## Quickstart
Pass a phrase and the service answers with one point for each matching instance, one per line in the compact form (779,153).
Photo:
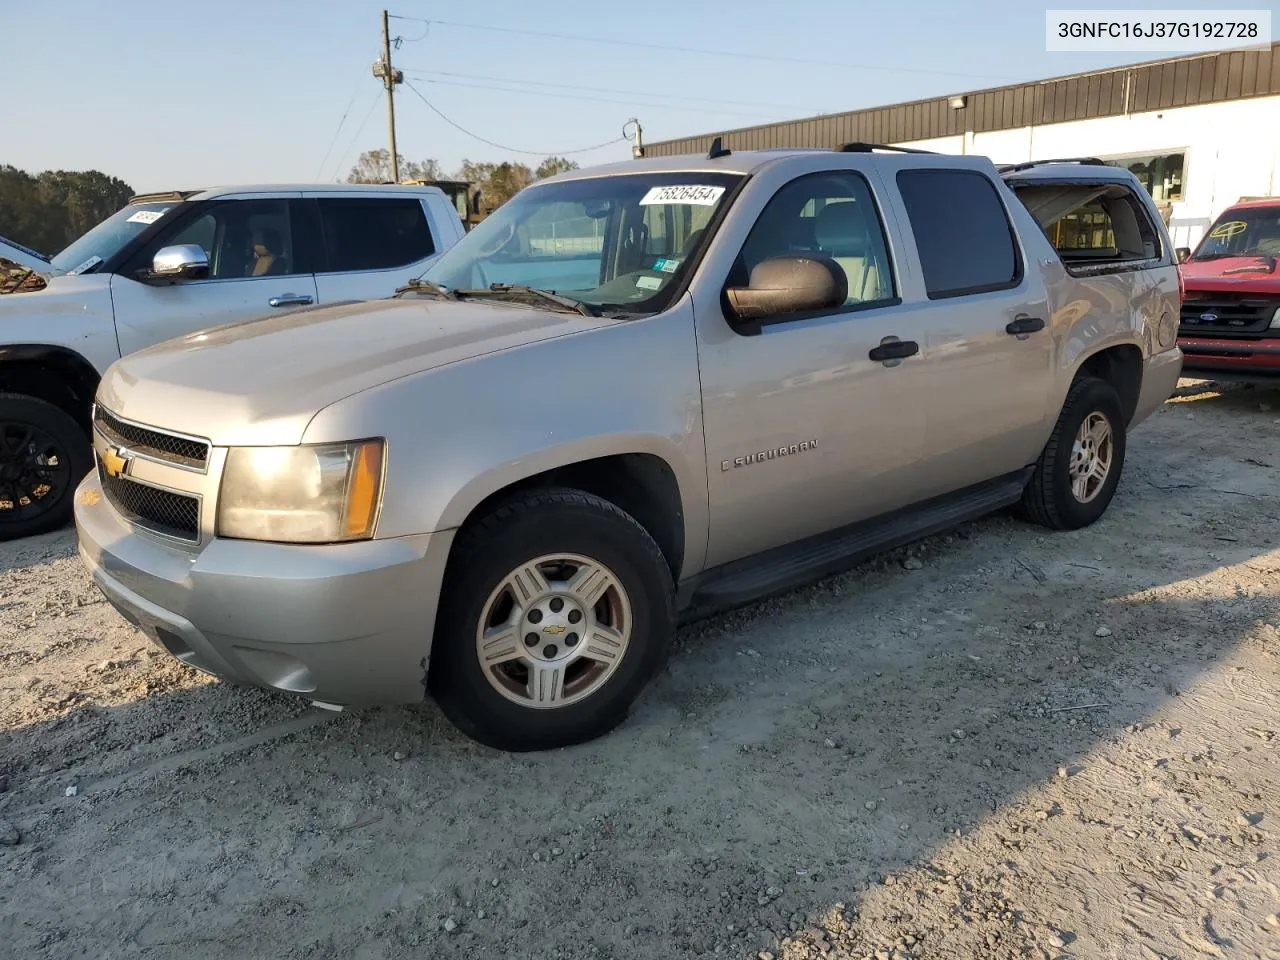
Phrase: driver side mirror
(1182,254)
(784,285)
(183,261)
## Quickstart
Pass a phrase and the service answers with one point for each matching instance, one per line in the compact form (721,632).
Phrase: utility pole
(390,77)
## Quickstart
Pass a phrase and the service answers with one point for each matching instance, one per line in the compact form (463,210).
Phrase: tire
(44,453)
(1051,497)
(570,534)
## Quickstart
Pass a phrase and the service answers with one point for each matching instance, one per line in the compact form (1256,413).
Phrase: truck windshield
(621,243)
(108,237)
(1245,232)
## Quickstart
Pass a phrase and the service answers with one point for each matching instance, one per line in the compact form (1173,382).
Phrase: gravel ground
(1024,745)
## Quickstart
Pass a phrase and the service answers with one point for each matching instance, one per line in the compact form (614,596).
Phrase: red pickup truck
(1230,324)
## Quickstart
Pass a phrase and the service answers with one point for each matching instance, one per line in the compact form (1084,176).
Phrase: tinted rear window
(961,231)
(374,233)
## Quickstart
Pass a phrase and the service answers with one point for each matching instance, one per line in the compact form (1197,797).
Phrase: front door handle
(891,350)
(290,300)
(1020,326)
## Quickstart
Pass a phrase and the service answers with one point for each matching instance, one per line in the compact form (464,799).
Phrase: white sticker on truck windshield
(649,283)
(687,193)
(146,216)
(91,262)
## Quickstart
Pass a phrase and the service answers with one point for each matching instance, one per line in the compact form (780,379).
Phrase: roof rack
(174,196)
(1015,167)
(859,147)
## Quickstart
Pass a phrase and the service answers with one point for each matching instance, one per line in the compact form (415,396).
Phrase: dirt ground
(1034,745)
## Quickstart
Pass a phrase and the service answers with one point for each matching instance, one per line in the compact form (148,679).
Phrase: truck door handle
(1024,325)
(290,300)
(894,350)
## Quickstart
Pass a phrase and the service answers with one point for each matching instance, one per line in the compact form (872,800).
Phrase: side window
(373,233)
(962,233)
(242,238)
(832,214)
(1092,224)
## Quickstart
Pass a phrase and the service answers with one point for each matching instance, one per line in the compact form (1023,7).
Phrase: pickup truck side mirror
(793,284)
(183,261)
(1182,254)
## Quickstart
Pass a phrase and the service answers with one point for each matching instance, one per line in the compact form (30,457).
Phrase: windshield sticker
(91,262)
(649,283)
(146,216)
(1229,229)
(663,265)
(685,193)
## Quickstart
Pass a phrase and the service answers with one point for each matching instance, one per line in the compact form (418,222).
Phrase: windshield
(1246,232)
(621,242)
(109,236)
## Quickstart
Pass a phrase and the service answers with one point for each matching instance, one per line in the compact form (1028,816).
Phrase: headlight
(321,493)
(1275,319)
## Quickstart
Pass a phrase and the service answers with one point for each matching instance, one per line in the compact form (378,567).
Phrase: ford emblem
(1208,317)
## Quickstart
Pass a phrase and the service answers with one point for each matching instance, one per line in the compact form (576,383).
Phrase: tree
(553,165)
(498,182)
(374,166)
(49,210)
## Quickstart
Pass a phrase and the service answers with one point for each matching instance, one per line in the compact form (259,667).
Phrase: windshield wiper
(429,287)
(533,293)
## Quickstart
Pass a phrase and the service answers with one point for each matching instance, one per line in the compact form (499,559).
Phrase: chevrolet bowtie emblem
(114,462)
(553,628)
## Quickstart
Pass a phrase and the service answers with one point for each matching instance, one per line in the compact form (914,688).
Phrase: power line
(354,93)
(363,123)
(569,96)
(700,51)
(638,93)
(533,153)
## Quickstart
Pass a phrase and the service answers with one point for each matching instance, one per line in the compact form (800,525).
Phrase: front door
(257,267)
(805,432)
(372,244)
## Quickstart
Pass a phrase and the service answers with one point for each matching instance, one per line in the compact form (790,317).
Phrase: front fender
(73,313)
(463,432)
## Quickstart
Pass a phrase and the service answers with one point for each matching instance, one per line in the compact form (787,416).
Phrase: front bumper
(344,623)
(1232,358)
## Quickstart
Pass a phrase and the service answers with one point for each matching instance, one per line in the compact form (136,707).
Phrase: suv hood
(261,382)
(22,268)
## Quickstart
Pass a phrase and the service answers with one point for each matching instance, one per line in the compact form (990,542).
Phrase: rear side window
(373,233)
(962,233)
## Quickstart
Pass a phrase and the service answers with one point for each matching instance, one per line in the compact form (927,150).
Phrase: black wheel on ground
(44,454)
(1077,473)
(557,609)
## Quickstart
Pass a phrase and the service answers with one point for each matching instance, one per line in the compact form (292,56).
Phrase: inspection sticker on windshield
(146,216)
(649,283)
(665,265)
(688,193)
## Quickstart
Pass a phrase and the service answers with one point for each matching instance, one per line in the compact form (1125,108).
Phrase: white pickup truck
(167,265)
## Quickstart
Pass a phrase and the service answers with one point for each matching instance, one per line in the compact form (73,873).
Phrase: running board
(793,565)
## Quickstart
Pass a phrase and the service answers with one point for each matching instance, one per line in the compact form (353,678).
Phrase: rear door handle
(290,300)
(894,350)
(1024,325)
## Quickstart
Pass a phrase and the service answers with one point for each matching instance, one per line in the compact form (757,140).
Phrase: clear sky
(174,95)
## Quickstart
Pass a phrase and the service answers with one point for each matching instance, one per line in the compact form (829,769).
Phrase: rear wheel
(1079,469)
(44,454)
(557,610)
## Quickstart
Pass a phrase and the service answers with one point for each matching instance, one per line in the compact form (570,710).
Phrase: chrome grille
(167,447)
(164,512)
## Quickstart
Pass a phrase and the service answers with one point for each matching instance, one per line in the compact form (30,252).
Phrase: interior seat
(841,233)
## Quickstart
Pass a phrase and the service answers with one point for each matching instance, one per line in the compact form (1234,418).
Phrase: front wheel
(558,608)
(44,454)
(1077,474)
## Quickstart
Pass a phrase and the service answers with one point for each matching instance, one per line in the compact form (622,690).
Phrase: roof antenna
(717,150)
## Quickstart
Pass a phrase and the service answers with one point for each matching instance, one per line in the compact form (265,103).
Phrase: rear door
(372,243)
(989,353)
(258,266)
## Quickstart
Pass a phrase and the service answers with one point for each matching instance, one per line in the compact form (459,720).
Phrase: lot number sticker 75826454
(687,193)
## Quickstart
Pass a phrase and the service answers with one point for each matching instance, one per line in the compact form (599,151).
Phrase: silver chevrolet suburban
(633,392)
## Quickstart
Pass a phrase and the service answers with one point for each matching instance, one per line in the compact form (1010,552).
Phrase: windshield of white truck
(1245,232)
(620,243)
(106,239)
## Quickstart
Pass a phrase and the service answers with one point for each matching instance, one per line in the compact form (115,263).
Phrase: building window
(1160,173)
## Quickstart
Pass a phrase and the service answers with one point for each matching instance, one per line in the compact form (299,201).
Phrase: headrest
(840,230)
